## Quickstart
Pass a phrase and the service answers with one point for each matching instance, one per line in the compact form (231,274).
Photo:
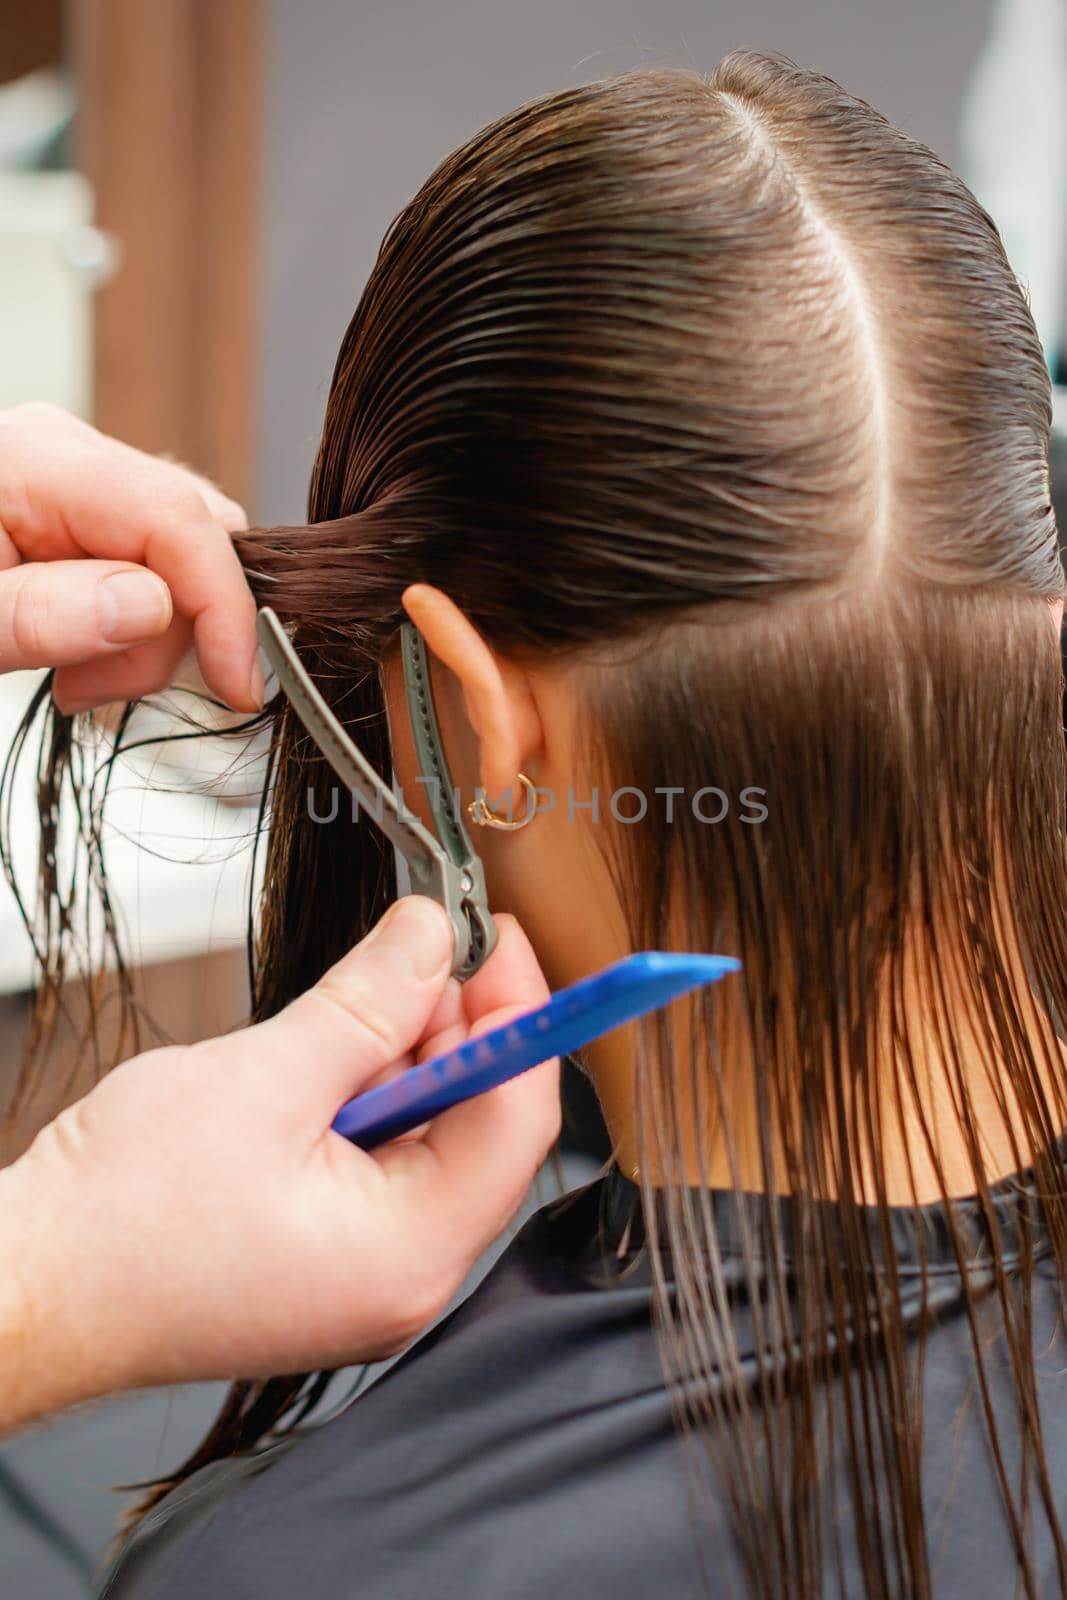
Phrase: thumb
(59,612)
(368,1010)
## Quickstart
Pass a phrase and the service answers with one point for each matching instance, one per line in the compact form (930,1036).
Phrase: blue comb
(573,1017)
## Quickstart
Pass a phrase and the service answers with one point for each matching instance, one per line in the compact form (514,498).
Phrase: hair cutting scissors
(448,868)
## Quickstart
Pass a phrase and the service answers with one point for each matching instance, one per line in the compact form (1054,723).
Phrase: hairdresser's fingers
(180,539)
(510,977)
(232,516)
(447,1027)
(366,1012)
(444,1029)
(67,611)
(129,675)
(488,1000)
(453,1189)
(474,1163)
(463,1011)
(67,491)
(42,523)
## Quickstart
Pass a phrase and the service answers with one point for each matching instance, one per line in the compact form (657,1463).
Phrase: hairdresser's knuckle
(212,503)
(231,516)
(235,516)
(181,507)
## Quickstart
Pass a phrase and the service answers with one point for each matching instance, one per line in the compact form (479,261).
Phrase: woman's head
(661,342)
(710,421)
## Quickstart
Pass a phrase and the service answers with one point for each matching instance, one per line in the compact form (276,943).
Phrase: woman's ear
(497,694)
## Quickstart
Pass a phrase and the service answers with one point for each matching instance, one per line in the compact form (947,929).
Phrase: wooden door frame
(169,134)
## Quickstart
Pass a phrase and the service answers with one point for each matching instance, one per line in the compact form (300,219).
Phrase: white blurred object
(35,111)
(51,260)
(219,763)
(179,816)
(1013,140)
(178,860)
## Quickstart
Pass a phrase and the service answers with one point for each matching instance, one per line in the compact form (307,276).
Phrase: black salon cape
(525,1449)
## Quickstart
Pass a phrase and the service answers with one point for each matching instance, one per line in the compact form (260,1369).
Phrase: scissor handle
(443,799)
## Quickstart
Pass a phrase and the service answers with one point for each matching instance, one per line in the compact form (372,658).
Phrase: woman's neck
(946,1082)
(949,1106)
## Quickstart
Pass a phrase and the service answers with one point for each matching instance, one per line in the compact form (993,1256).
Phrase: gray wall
(364,98)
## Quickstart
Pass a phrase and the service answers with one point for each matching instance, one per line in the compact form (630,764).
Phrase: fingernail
(255,682)
(417,930)
(133,606)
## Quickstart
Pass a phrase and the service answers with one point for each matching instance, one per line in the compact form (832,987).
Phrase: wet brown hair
(733,370)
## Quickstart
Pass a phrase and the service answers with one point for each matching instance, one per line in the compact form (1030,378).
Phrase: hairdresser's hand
(195,1216)
(112,563)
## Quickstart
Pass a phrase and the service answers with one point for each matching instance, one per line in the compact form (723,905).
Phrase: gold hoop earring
(483,817)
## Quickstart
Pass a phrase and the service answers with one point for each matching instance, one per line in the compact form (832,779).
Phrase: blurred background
(192,193)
